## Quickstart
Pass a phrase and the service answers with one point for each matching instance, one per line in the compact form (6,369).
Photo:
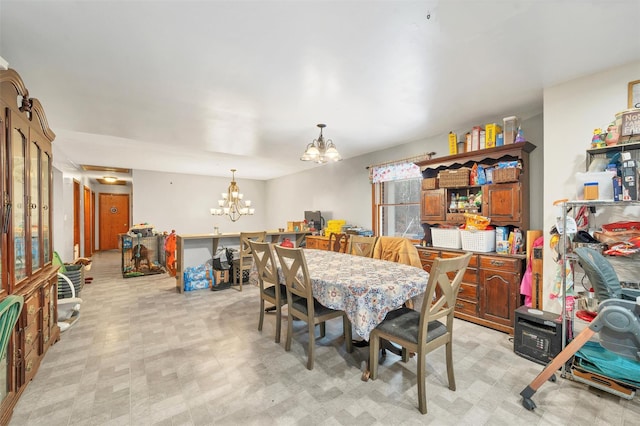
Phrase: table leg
(385,346)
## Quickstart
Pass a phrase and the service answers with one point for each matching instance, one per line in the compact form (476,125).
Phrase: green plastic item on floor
(10,309)
(56,261)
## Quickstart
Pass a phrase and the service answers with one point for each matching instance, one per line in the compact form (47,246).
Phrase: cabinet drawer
(31,363)
(473,262)
(466,307)
(31,307)
(428,255)
(470,276)
(502,263)
(31,338)
(468,292)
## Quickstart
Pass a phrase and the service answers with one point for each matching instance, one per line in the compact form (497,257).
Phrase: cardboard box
(502,239)
(475,138)
(492,131)
(629,180)
(220,277)
(291,226)
(467,142)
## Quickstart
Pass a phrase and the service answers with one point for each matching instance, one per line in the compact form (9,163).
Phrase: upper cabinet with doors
(26,238)
(505,203)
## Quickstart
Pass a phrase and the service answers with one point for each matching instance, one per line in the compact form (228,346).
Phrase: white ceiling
(205,86)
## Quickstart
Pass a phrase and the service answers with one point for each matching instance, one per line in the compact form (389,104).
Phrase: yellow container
(591,191)
(453,143)
(492,130)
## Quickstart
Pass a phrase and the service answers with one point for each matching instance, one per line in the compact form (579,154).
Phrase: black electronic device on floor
(537,334)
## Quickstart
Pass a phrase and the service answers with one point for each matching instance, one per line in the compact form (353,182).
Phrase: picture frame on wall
(634,94)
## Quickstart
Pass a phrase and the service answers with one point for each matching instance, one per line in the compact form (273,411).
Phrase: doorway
(76,217)
(113,219)
(88,234)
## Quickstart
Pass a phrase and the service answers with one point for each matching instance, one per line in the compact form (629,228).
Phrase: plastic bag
(222,259)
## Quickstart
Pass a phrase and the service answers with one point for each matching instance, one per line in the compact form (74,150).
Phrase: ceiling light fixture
(232,203)
(110,179)
(321,151)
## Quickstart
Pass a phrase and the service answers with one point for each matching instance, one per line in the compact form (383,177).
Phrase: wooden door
(88,237)
(433,205)
(113,219)
(502,203)
(76,214)
(93,221)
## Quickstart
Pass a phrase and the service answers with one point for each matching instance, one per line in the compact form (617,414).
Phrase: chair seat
(271,292)
(300,304)
(405,323)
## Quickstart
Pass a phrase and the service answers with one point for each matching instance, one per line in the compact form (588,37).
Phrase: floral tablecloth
(366,289)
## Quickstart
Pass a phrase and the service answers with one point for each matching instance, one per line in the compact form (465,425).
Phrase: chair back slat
(361,246)
(245,237)
(295,271)
(264,257)
(444,300)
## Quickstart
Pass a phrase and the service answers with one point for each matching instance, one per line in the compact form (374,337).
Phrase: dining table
(366,289)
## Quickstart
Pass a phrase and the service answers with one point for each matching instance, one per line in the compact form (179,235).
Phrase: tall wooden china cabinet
(26,238)
(490,290)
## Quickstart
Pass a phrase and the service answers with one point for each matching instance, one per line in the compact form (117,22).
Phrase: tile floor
(142,354)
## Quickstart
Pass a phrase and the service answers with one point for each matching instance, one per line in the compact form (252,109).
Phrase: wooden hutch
(26,238)
(490,291)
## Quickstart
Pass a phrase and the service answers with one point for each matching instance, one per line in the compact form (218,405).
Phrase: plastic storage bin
(482,241)
(447,238)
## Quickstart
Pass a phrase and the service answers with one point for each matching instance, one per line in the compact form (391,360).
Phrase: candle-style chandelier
(232,203)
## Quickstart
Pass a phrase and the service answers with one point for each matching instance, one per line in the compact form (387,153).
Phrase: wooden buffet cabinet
(490,292)
(320,242)
(26,238)
(490,289)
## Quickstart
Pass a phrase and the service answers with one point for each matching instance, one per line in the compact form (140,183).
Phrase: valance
(397,170)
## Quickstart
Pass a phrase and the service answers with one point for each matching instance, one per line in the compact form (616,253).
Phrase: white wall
(342,190)
(571,111)
(182,202)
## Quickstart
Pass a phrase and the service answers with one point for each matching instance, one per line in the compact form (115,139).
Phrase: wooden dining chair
(301,303)
(271,290)
(422,332)
(361,246)
(243,263)
(338,242)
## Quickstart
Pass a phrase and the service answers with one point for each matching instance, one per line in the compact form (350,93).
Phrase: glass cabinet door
(34,205)
(4,206)
(45,168)
(18,201)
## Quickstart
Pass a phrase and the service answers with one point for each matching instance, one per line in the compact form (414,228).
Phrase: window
(397,208)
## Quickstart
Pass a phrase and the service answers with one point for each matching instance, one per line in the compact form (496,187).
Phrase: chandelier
(232,203)
(321,151)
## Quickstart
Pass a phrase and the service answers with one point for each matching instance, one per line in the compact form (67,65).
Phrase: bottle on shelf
(453,206)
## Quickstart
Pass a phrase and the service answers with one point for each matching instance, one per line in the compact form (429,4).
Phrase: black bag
(222,259)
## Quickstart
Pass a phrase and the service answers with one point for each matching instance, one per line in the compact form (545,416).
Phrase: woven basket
(454,178)
(430,183)
(510,174)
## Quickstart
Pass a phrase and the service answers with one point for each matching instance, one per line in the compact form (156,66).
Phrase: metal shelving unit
(566,207)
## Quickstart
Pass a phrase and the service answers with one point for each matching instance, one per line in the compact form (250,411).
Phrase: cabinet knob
(497,263)
(459,305)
